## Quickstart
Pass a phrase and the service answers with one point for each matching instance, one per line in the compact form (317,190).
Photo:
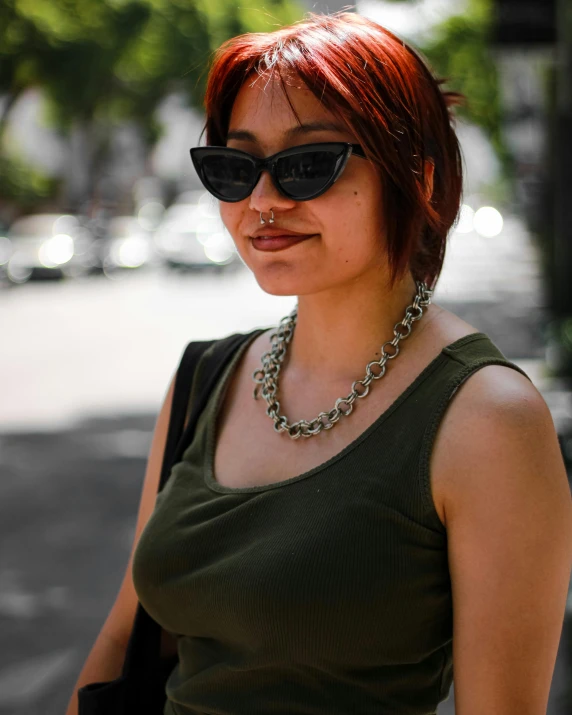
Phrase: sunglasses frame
(345,149)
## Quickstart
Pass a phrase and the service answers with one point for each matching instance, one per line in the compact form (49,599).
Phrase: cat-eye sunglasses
(300,173)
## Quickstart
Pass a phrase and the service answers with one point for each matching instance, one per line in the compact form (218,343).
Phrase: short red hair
(384,91)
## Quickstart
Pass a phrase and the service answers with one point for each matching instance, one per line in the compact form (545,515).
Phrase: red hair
(384,91)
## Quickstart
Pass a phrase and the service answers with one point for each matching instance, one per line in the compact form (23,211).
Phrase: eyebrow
(292,132)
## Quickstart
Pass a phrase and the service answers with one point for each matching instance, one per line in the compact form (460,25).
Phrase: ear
(429,172)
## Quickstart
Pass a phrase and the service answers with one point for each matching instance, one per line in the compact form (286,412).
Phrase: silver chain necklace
(267,376)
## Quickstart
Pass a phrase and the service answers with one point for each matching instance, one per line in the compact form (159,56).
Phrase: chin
(278,287)
(282,281)
(285,274)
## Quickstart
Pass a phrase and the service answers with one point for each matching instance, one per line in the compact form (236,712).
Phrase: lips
(278,242)
(275,231)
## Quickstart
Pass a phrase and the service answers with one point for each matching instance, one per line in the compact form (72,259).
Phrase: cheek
(353,220)
(357,238)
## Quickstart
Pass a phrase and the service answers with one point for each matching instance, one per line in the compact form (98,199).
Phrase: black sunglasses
(300,173)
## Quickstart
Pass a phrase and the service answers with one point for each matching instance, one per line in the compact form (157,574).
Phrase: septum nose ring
(270,220)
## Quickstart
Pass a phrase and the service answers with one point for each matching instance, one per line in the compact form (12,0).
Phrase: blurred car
(5,253)
(48,245)
(127,245)
(192,235)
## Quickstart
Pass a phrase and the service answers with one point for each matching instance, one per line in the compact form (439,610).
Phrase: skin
(337,275)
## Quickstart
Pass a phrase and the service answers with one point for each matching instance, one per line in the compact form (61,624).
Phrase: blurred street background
(113,258)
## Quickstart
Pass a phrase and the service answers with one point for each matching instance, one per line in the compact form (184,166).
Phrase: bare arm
(509,525)
(106,658)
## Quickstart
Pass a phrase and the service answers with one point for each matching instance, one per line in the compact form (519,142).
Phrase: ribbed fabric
(328,593)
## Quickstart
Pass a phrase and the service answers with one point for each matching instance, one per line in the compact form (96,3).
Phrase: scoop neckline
(221,389)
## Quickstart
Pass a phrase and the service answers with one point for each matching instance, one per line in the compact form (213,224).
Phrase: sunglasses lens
(307,173)
(228,176)
(301,175)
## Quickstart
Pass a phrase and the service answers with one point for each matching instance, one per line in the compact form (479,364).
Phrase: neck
(334,339)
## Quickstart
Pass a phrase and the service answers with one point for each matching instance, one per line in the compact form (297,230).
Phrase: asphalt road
(85,366)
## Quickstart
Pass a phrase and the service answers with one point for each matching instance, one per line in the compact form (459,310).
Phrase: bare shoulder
(508,513)
(497,421)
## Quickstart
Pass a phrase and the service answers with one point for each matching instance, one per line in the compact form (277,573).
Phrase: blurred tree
(102,62)
(460,51)
(16,71)
(23,184)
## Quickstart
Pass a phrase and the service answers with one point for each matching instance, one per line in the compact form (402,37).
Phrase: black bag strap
(181,394)
(223,352)
(143,650)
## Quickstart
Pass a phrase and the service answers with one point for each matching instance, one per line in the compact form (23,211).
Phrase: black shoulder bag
(140,689)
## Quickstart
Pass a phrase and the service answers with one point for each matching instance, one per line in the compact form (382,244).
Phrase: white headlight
(5,250)
(56,250)
(466,215)
(132,252)
(488,222)
(218,248)
(207,227)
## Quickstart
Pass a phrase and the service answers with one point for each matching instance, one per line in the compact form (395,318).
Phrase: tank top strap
(457,363)
(472,349)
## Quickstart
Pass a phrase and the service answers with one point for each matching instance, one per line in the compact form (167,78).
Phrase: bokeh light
(466,216)
(56,251)
(488,222)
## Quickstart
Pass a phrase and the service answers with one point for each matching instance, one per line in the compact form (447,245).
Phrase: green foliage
(103,62)
(460,52)
(23,184)
(118,58)
(106,61)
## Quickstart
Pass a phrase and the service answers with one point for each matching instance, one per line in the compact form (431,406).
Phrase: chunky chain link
(267,376)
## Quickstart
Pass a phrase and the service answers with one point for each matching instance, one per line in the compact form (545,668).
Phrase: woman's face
(347,221)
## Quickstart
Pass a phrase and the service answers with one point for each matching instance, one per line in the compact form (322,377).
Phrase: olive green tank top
(327,593)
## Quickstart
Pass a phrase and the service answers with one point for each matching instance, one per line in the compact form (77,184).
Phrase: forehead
(261,108)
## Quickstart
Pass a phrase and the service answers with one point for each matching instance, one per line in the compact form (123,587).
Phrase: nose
(265,195)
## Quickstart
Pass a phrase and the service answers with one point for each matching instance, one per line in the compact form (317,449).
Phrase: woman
(306,558)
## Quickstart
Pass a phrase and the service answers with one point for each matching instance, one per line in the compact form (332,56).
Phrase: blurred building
(533,45)
(524,44)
